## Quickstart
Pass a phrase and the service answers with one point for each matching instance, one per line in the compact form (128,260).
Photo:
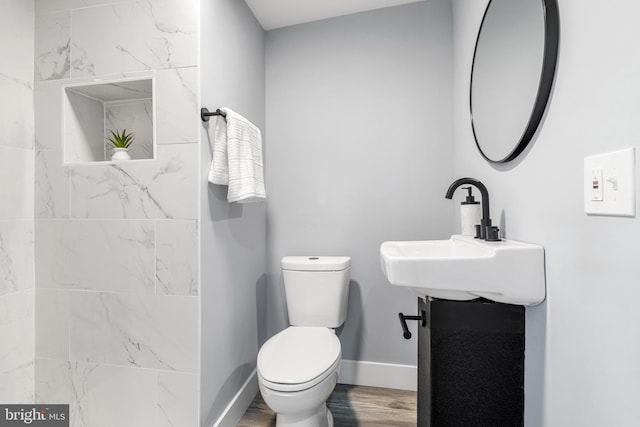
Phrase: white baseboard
(388,375)
(240,402)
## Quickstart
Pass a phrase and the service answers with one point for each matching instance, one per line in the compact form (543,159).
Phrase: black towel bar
(205,114)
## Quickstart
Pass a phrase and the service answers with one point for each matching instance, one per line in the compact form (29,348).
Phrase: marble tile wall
(116,245)
(16,202)
(16,347)
(107,396)
(135,117)
(83,128)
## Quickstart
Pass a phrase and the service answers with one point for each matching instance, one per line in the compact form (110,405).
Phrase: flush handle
(403,322)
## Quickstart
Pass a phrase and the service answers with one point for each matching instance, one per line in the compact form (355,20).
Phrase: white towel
(237,158)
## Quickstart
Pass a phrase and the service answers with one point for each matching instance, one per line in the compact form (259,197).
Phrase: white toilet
(298,367)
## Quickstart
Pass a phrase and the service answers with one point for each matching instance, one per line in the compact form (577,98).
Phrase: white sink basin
(463,268)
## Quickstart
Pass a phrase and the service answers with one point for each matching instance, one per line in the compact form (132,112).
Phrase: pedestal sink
(463,268)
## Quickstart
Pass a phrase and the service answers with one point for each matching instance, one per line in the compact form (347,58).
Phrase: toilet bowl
(297,371)
(298,367)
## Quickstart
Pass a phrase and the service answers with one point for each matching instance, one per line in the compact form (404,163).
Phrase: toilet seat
(298,358)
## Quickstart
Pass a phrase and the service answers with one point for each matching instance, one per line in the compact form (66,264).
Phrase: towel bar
(205,114)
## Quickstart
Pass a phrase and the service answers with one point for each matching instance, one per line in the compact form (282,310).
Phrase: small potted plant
(121,141)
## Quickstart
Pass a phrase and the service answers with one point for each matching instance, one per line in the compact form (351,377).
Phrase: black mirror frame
(549,64)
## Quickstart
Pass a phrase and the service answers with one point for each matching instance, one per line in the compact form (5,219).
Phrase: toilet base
(305,408)
(321,418)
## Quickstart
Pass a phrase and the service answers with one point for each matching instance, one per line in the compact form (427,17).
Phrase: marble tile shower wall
(16,202)
(116,248)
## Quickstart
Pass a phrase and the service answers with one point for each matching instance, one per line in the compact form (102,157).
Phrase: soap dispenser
(469,214)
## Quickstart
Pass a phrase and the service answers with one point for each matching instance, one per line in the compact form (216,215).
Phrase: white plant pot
(120,154)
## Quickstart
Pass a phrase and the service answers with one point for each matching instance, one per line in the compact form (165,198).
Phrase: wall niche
(91,109)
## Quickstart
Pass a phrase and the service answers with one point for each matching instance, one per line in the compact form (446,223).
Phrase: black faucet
(484,230)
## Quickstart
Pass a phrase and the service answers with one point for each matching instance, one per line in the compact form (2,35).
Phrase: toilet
(298,367)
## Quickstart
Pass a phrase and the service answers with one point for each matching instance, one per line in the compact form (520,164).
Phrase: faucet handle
(478,227)
(493,234)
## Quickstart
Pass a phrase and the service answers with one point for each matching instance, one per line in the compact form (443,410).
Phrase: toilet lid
(299,354)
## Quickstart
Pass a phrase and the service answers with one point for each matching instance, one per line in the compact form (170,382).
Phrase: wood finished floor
(351,406)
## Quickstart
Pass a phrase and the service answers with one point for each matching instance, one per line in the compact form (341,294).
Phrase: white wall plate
(609,183)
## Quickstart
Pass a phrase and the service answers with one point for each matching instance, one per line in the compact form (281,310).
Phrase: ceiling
(274,14)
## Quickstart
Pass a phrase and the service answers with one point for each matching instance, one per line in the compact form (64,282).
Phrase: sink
(463,268)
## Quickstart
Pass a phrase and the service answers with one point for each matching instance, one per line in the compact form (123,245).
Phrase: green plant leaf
(120,139)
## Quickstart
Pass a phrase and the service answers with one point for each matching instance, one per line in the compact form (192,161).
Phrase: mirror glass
(512,74)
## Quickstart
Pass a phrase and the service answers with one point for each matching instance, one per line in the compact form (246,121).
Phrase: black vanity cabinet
(471,364)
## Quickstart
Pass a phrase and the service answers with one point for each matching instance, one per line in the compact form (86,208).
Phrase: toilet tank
(316,289)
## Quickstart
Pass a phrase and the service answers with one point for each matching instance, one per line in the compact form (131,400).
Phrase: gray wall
(582,343)
(232,236)
(360,130)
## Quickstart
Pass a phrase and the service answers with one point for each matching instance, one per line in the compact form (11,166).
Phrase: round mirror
(512,74)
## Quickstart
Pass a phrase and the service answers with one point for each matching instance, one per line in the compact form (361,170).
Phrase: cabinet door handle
(403,322)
